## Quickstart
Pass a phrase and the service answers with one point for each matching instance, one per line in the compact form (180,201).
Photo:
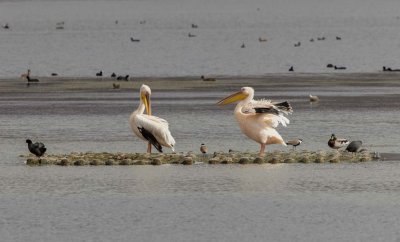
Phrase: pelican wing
(272,113)
(154,129)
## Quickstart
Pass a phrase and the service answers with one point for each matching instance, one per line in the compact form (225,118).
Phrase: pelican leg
(262,150)
(149,148)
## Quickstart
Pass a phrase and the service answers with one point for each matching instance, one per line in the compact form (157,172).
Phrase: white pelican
(258,119)
(150,128)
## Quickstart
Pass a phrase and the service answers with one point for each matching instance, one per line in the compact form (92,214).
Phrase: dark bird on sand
(354,146)
(37,148)
(126,78)
(203,149)
(294,142)
(339,67)
(336,143)
(209,79)
(100,73)
(28,77)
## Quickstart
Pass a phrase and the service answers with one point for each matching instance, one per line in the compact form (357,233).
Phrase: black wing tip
(150,137)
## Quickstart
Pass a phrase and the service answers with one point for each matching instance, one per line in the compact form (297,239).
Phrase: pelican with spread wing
(259,118)
(153,129)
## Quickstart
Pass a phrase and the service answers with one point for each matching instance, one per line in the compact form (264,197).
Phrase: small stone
(64,162)
(94,162)
(109,162)
(258,160)
(79,163)
(187,161)
(273,160)
(244,160)
(227,160)
(213,161)
(156,162)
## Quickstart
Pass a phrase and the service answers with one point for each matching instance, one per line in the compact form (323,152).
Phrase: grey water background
(285,202)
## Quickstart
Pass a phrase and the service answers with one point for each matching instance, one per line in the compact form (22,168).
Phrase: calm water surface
(285,202)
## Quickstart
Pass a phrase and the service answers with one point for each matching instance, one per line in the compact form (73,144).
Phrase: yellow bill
(233,98)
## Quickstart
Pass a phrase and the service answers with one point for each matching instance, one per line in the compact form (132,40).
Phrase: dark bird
(291,68)
(321,38)
(262,39)
(6,26)
(191,35)
(203,149)
(100,73)
(113,75)
(294,143)
(134,40)
(339,67)
(126,78)
(37,148)
(329,66)
(336,143)
(116,86)
(311,40)
(142,22)
(354,146)
(338,38)
(28,77)
(243,45)
(54,74)
(194,26)
(207,79)
(297,44)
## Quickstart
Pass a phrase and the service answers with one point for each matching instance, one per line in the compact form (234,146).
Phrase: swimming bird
(354,146)
(28,77)
(243,45)
(336,143)
(134,40)
(150,128)
(6,26)
(37,148)
(100,73)
(126,78)
(262,39)
(329,66)
(314,98)
(339,67)
(297,44)
(194,26)
(209,79)
(258,118)
(54,74)
(190,35)
(294,142)
(338,38)
(203,149)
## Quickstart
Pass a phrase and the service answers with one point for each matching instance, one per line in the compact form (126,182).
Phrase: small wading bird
(314,98)
(37,148)
(153,129)
(294,142)
(258,119)
(203,149)
(336,143)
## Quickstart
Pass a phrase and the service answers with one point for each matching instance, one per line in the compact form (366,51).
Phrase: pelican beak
(146,100)
(233,98)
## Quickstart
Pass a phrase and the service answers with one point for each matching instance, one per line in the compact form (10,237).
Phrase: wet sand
(277,81)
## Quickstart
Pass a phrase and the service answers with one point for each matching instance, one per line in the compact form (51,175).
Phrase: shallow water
(283,202)
(92,41)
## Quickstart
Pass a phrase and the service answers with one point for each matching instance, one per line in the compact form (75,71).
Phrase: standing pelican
(258,119)
(150,128)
